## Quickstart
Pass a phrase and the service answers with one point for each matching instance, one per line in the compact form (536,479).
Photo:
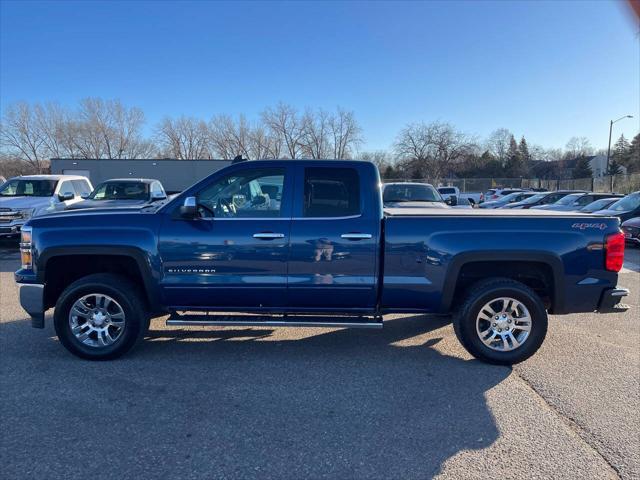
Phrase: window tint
(331,192)
(81,187)
(447,190)
(247,194)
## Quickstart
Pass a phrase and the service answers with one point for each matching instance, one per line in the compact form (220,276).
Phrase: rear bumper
(610,301)
(32,301)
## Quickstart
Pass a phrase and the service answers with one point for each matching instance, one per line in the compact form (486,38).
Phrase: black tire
(464,320)
(125,293)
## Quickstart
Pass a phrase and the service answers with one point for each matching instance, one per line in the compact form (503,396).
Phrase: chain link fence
(617,183)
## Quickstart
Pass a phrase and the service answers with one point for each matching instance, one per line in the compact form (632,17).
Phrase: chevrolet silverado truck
(308,243)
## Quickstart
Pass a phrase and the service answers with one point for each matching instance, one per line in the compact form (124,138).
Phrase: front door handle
(268,235)
(356,236)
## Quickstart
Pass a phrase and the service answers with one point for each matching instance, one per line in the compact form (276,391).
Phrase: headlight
(25,248)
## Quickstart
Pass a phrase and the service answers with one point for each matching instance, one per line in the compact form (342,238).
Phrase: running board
(209,320)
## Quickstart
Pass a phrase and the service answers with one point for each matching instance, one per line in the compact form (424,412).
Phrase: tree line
(30,134)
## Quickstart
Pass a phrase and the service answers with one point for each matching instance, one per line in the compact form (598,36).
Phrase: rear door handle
(268,235)
(356,236)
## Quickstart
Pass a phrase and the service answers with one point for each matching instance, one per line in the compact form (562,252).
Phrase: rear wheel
(501,321)
(100,316)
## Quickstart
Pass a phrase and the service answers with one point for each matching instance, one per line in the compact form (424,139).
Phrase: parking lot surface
(403,402)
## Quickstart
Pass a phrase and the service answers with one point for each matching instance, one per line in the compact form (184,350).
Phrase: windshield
(120,191)
(630,202)
(510,197)
(535,198)
(598,205)
(569,199)
(410,193)
(28,188)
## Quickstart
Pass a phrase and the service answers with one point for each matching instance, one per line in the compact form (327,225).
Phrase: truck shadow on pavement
(343,404)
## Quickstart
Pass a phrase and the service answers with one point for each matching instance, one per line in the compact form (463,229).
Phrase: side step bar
(298,321)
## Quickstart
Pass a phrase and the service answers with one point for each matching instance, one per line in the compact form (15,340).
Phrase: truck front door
(234,255)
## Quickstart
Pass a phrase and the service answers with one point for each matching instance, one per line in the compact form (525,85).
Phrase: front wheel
(501,321)
(100,317)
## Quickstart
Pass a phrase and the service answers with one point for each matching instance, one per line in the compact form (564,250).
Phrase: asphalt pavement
(403,402)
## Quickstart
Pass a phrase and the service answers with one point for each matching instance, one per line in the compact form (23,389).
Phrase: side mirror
(452,201)
(84,196)
(63,197)
(157,195)
(189,208)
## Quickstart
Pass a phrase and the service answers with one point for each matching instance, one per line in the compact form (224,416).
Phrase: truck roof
(51,177)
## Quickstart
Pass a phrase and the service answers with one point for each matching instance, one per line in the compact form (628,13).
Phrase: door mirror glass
(158,195)
(189,208)
(63,197)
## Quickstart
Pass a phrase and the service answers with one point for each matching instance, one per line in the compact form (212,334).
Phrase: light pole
(611,122)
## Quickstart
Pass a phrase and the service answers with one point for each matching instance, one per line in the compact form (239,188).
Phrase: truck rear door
(334,238)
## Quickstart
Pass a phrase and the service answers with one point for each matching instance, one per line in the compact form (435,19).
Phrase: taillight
(614,252)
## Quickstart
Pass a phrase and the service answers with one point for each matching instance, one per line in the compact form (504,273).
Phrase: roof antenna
(238,159)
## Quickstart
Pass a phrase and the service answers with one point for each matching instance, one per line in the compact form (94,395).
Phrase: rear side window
(447,191)
(331,192)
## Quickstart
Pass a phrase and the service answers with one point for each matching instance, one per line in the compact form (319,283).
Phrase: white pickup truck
(22,198)
(449,192)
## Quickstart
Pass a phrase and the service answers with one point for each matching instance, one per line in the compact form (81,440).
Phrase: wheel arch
(466,268)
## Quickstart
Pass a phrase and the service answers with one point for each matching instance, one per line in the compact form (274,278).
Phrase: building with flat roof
(175,175)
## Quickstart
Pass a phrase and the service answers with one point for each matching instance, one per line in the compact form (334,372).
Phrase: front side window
(81,187)
(28,188)
(255,193)
(120,191)
(331,192)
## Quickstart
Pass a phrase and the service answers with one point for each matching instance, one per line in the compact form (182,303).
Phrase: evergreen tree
(614,168)
(633,160)
(389,172)
(525,156)
(583,168)
(621,151)
(514,166)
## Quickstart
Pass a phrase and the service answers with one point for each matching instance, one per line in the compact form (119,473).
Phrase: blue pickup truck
(308,243)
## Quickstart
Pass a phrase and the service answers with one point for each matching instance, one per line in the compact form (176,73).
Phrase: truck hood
(106,204)
(25,202)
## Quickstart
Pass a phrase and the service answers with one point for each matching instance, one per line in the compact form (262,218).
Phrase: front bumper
(610,300)
(10,230)
(32,301)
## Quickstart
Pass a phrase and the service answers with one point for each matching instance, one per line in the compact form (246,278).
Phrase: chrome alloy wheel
(97,320)
(503,324)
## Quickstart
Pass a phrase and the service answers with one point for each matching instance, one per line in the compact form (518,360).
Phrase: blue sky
(548,70)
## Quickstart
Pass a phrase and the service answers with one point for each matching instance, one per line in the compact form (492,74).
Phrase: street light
(611,122)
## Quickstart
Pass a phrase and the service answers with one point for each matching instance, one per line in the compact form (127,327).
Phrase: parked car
(22,198)
(631,229)
(464,203)
(601,204)
(507,199)
(123,192)
(625,208)
(575,201)
(497,193)
(544,198)
(411,195)
(449,193)
(326,249)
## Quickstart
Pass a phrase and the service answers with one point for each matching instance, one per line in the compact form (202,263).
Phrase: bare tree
(430,150)
(498,144)
(108,129)
(317,131)
(21,136)
(578,147)
(285,125)
(346,134)
(185,138)
(380,158)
